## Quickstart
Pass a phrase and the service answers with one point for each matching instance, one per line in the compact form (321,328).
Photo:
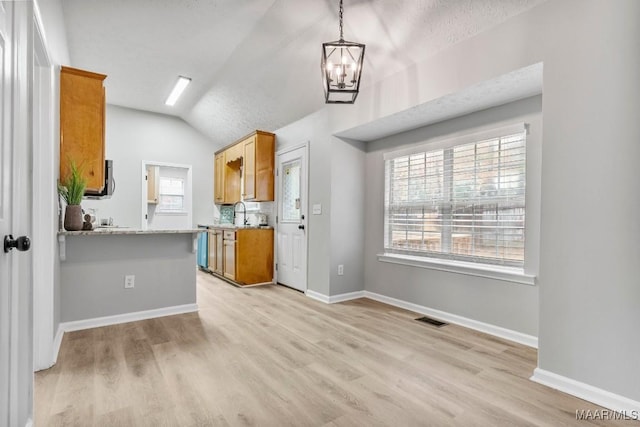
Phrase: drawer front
(229,235)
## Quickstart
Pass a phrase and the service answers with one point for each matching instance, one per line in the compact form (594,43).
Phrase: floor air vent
(432,321)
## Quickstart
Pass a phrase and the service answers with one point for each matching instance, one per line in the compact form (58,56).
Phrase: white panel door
(16,334)
(291,246)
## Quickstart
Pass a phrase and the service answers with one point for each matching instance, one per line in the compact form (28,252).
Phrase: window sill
(508,274)
(172,213)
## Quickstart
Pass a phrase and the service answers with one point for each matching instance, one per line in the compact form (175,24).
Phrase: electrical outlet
(340,270)
(129,281)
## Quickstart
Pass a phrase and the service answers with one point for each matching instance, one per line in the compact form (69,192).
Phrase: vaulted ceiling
(255,64)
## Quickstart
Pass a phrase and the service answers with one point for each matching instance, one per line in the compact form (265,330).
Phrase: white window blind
(171,194)
(462,201)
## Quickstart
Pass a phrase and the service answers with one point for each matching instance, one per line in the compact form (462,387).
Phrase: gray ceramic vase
(73,218)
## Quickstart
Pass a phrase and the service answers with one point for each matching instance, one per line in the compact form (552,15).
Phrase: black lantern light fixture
(341,69)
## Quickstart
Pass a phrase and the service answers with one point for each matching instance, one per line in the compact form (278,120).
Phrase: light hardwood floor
(270,356)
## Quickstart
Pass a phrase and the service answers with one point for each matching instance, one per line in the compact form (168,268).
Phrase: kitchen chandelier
(341,69)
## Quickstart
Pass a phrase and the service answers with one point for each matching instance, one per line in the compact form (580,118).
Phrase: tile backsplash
(226,214)
(254,209)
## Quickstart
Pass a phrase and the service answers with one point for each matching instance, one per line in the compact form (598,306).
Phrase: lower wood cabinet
(244,256)
(254,256)
(215,251)
(229,255)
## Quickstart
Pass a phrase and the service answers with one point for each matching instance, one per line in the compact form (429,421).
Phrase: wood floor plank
(270,355)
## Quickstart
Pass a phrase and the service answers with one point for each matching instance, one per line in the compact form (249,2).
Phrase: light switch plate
(317,209)
(129,281)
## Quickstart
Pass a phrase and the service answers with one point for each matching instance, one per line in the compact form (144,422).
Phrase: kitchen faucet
(244,213)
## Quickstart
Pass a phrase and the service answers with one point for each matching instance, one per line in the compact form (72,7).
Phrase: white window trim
(508,274)
(469,138)
(491,271)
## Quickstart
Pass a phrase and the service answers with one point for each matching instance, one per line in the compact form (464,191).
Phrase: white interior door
(291,224)
(16,346)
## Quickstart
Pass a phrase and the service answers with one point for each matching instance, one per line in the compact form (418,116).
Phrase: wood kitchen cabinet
(258,166)
(249,168)
(218,180)
(244,170)
(244,256)
(254,256)
(216,247)
(153,175)
(229,255)
(82,123)
(232,176)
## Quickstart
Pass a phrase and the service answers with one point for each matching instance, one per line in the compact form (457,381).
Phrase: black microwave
(109,184)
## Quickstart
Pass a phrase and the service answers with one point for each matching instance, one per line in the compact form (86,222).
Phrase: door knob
(22,243)
(301,227)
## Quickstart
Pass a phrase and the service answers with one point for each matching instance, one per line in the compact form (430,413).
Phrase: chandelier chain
(340,15)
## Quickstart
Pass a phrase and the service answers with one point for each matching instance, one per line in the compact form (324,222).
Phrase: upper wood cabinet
(249,168)
(232,176)
(244,170)
(82,123)
(218,180)
(265,166)
(153,182)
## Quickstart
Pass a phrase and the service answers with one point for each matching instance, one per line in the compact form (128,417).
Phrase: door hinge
(276,266)
(276,219)
(146,216)
(146,177)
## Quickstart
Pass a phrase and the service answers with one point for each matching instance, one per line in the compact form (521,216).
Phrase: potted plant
(72,189)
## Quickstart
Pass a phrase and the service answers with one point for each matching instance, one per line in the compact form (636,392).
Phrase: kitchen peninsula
(115,275)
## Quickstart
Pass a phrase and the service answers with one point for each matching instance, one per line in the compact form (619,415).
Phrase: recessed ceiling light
(181,84)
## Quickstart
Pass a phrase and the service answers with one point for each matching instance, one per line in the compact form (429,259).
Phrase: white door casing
(45,203)
(16,333)
(292,215)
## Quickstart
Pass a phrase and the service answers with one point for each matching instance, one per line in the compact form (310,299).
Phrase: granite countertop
(237,227)
(124,230)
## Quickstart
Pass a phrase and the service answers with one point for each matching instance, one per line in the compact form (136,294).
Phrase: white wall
(55,35)
(134,136)
(92,275)
(589,285)
(347,213)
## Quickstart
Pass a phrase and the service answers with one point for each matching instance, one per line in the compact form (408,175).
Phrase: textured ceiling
(254,64)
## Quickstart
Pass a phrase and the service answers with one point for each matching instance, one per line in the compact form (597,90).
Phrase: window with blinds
(465,201)
(171,195)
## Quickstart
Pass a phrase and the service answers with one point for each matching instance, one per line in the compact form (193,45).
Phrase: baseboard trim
(57,342)
(317,296)
(587,392)
(498,331)
(346,297)
(127,317)
(332,299)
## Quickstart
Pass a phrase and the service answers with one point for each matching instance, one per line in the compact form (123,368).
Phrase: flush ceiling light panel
(180,86)
(341,69)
